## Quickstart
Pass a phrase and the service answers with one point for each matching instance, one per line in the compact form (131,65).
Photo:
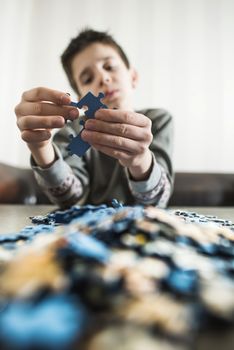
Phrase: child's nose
(105,78)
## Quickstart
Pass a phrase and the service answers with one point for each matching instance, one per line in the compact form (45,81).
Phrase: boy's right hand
(40,111)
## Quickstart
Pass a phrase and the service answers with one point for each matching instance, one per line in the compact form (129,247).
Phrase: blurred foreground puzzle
(117,277)
(77,145)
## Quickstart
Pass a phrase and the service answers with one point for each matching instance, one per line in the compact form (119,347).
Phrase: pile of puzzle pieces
(95,278)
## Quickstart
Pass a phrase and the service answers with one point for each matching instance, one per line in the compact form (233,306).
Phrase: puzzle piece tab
(77,145)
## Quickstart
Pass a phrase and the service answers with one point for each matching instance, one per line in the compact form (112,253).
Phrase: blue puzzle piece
(77,145)
(88,247)
(53,322)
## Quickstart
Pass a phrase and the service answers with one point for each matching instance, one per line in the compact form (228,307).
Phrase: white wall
(183,50)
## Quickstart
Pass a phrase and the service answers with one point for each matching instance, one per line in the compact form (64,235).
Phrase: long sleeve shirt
(96,178)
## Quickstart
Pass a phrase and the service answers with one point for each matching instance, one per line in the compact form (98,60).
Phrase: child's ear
(134,77)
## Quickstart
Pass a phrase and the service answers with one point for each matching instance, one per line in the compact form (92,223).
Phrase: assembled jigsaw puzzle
(77,145)
(117,277)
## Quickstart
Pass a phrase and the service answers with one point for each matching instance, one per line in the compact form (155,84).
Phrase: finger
(44,108)
(116,142)
(119,129)
(37,122)
(119,116)
(45,94)
(34,136)
(112,152)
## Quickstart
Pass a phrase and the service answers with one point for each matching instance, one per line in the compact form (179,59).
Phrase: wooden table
(15,217)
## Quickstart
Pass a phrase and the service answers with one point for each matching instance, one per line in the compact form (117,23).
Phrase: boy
(129,158)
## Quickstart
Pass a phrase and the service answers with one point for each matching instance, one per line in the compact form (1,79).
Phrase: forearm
(156,190)
(68,193)
(59,182)
(44,156)
(142,170)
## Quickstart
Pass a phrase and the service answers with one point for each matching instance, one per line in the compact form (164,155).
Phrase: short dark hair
(85,38)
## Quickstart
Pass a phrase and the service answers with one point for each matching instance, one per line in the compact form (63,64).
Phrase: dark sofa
(203,189)
(18,186)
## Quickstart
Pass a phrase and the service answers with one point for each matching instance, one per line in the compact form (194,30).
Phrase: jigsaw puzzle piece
(92,102)
(77,145)
(73,104)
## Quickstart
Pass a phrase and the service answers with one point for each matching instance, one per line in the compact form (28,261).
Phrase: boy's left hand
(124,135)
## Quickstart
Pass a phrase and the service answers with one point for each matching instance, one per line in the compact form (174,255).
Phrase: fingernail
(65,99)
(73,113)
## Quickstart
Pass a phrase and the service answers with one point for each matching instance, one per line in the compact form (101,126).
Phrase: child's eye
(86,80)
(110,67)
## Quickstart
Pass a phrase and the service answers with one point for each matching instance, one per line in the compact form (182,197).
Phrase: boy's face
(99,68)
